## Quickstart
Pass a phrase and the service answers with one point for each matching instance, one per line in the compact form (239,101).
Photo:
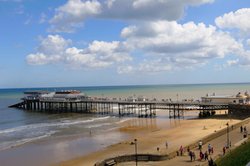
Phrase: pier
(144,108)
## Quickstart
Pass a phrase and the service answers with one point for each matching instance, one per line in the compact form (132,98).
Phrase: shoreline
(186,132)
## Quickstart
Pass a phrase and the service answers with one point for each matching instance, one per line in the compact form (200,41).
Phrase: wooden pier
(118,107)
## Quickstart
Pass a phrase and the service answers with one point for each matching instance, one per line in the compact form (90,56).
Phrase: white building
(69,95)
(134,98)
(58,95)
(34,95)
(226,99)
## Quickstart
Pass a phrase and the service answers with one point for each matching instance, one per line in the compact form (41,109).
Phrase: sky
(123,42)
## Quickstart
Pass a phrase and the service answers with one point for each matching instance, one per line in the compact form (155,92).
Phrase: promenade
(218,143)
(184,133)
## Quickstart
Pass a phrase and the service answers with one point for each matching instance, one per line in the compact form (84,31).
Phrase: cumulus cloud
(50,50)
(53,44)
(235,20)
(162,45)
(147,66)
(147,9)
(99,54)
(72,14)
(182,45)
(243,59)
(239,21)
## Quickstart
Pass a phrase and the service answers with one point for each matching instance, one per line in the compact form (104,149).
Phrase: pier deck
(117,107)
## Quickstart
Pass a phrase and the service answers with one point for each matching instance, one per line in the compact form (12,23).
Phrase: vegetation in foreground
(239,156)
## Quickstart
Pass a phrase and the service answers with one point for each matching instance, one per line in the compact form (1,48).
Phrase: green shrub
(237,157)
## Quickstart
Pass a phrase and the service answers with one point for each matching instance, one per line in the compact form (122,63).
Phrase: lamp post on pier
(135,141)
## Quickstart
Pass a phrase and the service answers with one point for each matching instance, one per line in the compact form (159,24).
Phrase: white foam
(97,125)
(11,144)
(52,124)
(122,121)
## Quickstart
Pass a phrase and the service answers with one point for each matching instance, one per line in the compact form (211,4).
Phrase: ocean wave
(122,121)
(12,144)
(51,124)
(97,125)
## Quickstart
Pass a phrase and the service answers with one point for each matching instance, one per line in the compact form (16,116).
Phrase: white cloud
(235,20)
(239,21)
(148,9)
(53,44)
(154,66)
(43,18)
(181,45)
(72,14)
(37,59)
(28,20)
(244,59)
(248,42)
(99,54)
(125,69)
(232,62)
(162,45)
(76,58)
(147,66)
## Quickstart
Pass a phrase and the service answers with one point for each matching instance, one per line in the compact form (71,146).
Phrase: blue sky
(123,42)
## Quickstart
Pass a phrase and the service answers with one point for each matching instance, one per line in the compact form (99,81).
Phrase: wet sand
(183,132)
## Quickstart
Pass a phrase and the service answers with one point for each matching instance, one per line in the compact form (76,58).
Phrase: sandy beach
(183,133)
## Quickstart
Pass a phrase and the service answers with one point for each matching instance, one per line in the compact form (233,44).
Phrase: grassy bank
(239,156)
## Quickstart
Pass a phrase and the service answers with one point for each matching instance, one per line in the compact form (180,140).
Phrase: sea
(34,138)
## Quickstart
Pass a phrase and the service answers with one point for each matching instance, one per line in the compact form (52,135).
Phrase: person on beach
(181,150)
(188,149)
(201,156)
(211,162)
(241,129)
(158,149)
(206,156)
(224,150)
(166,144)
(200,145)
(194,157)
(190,153)
(245,134)
(209,147)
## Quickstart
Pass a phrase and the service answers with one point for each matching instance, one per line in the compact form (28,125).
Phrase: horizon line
(122,85)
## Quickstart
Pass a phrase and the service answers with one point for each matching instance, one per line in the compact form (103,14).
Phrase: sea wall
(132,157)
